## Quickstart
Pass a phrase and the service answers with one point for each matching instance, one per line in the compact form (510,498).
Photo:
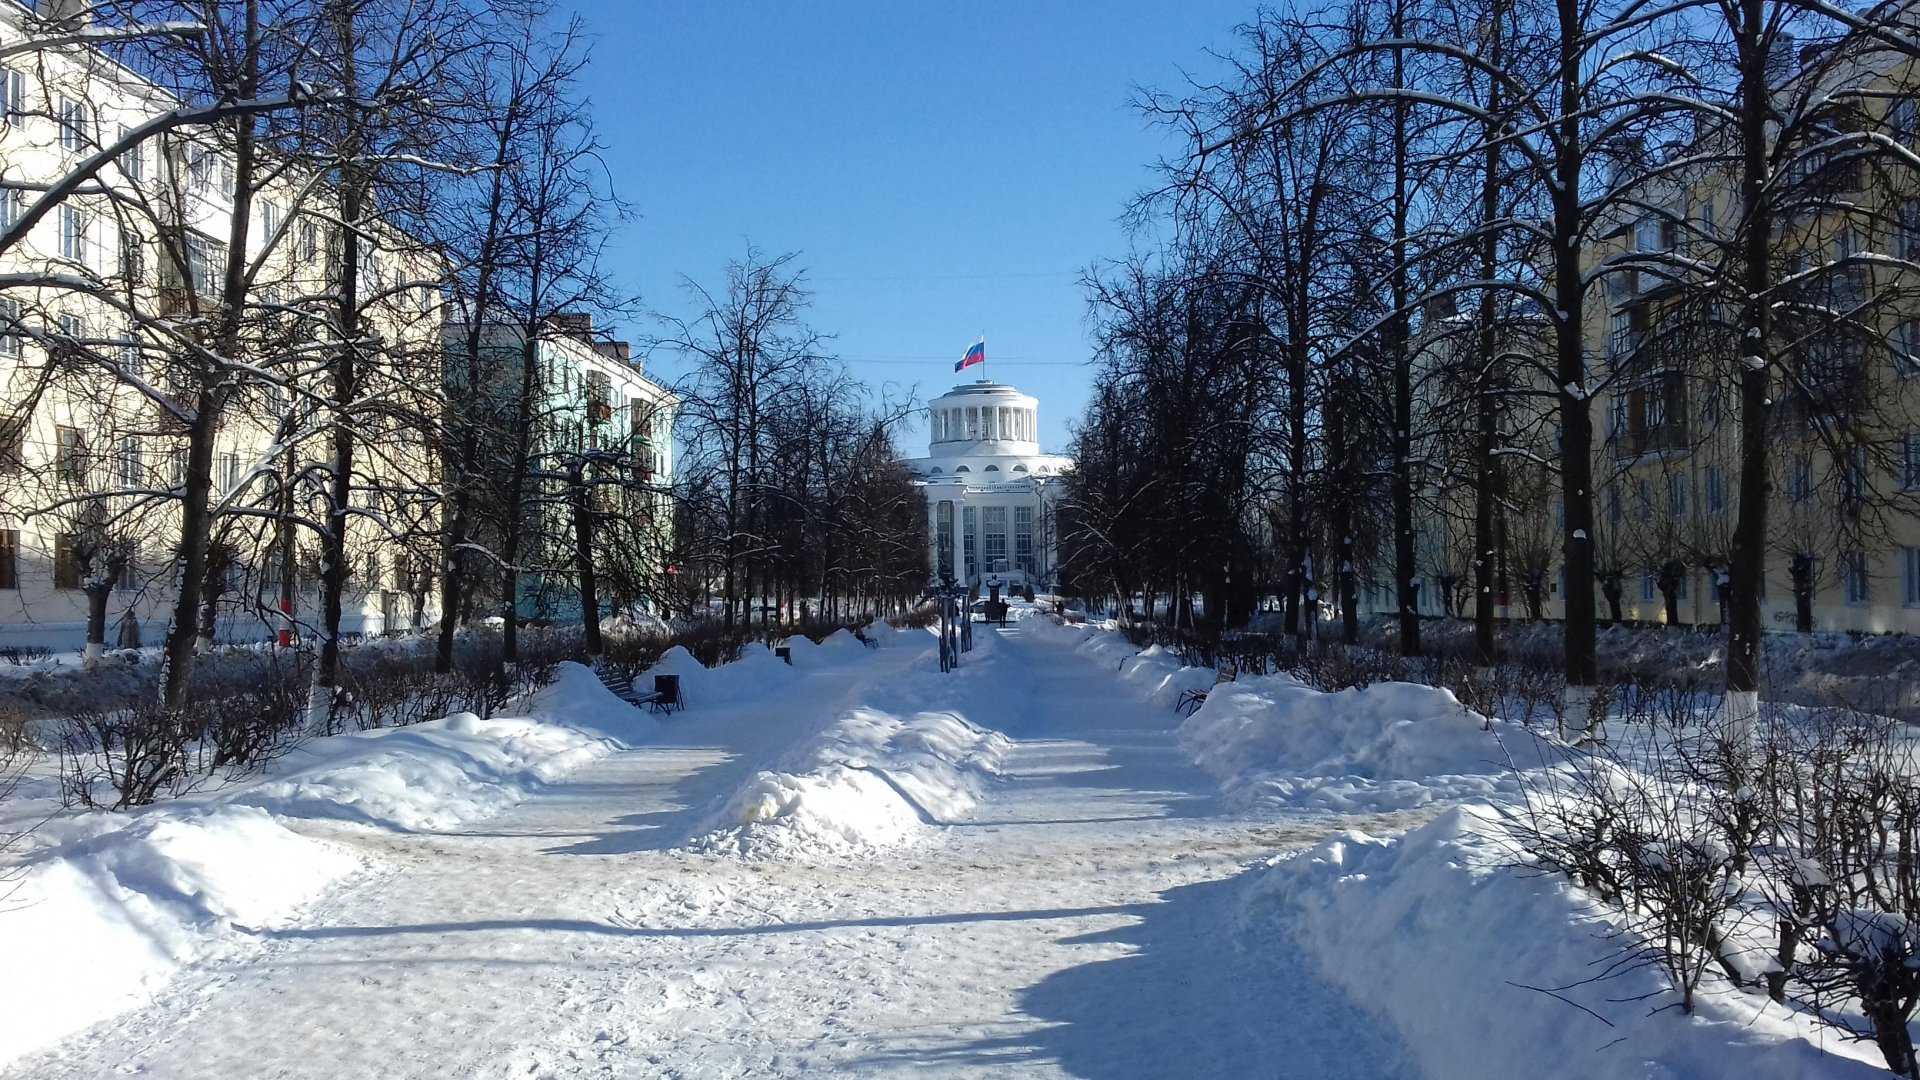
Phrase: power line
(1011,276)
(904,361)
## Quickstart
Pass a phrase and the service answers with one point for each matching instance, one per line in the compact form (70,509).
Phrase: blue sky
(946,170)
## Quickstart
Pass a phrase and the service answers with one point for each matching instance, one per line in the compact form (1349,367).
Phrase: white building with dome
(990,490)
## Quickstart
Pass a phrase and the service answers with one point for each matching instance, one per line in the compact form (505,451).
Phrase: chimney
(576,324)
(70,14)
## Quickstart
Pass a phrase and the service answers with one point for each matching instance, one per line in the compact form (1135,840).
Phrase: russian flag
(975,355)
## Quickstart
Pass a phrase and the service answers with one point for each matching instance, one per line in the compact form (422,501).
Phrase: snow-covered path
(1075,925)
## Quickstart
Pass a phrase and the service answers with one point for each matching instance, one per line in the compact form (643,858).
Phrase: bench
(664,697)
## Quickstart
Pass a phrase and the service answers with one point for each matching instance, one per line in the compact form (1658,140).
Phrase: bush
(138,753)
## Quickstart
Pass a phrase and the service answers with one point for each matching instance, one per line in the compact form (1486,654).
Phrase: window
(70,454)
(1910,462)
(1903,120)
(226,178)
(373,570)
(72,115)
(973,423)
(1800,477)
(1853,474)
(1648,234)
(133,160)
(993,527)
(1909,573)
(10,336)
(943,537)
(1853,567)
(66,566)
(309,240)
(1656,406)
(199,161)
(1906,348)
(9,558)
(270,219)
(1850,281)
(1023,538)
(13,95)
(991,468)
(13,203)
(1617,416)
(133,255)
(1649,587)
(1613,507)
(1909,248)
(970,537)
(130,462)
(177,469)
(1716,490)
(229,471)
(73,233)
(1677,495)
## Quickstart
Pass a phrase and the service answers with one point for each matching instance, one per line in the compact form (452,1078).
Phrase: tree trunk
(1748,555)
(583,556)
(98,593)
(323,696)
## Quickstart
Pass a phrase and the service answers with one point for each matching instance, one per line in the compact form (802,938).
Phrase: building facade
(108,292)
(595,409)
(1663,341)
(991,491)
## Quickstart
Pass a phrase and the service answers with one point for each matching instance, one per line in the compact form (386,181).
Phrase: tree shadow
(1194,997)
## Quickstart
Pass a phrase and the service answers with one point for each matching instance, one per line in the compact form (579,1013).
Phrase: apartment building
(105,305)
(594,407)
(1844,456)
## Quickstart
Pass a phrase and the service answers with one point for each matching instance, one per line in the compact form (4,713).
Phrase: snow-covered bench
(664,697)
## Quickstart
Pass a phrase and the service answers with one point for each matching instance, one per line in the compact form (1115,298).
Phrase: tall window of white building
(970,538)
(73,233)
(72,115)
(993,525)
(1023,538)
(13,95)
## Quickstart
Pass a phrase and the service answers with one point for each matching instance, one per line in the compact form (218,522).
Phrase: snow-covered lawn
(856,865)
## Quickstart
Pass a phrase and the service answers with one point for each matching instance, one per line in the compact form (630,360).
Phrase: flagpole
(983,357)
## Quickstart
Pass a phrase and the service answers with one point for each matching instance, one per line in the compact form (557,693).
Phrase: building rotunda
(990,490)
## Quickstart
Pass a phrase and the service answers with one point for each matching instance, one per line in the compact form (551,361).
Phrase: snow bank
(1272,740)
(870,779)
(757,672)
(1155,671)
(1426,931)
(107,918)
(104,907)
(435,775)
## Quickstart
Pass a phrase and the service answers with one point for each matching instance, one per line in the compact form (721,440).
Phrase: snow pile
(90,929)
(435,775)
(1432,931)
(1273,740)
(1156,671)
(871,779)
(104,907)
(755,673)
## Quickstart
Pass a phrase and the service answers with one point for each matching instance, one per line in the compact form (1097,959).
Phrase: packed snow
(856,864)
(1488,970)
(107,906)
